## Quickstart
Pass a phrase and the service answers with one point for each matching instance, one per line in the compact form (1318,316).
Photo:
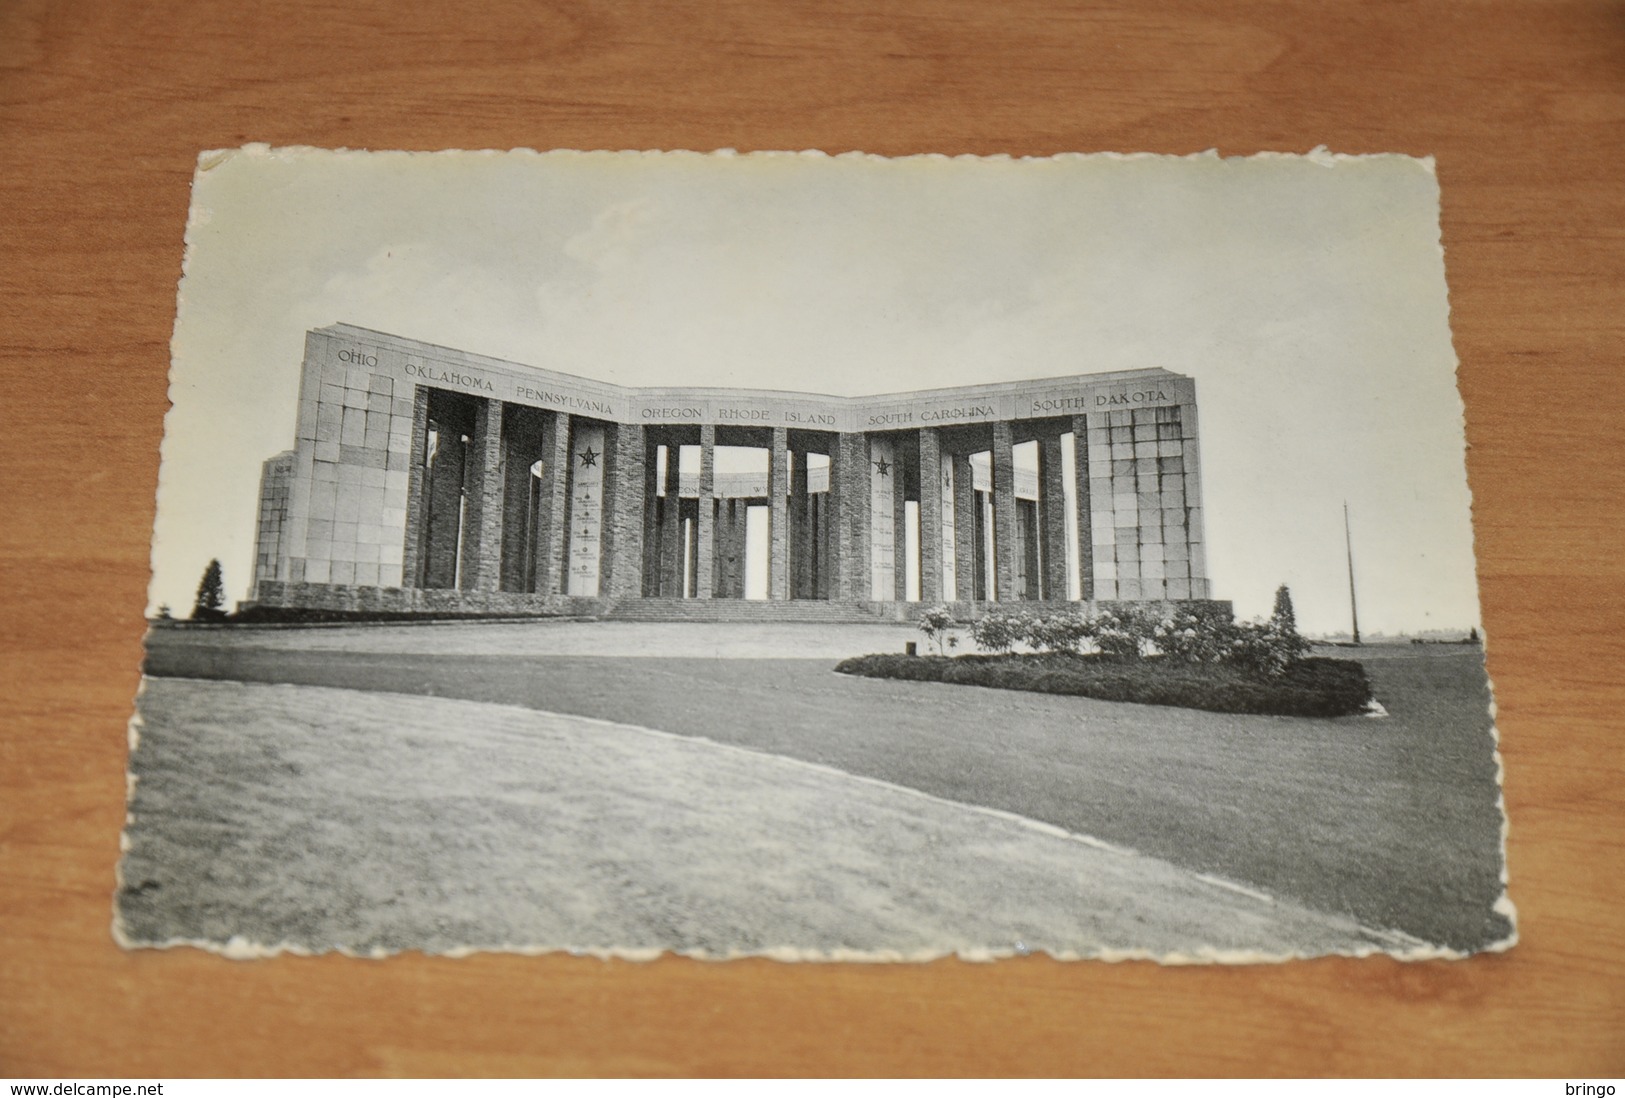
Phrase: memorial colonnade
(520,500)
(423,476)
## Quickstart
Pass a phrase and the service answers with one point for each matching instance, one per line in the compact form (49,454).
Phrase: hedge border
(1313,687)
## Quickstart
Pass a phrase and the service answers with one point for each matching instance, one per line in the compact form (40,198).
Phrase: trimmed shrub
(1266,648)
(1199,634)
(1067,631)
(1124,634)
(999,632)
(938,625)
(1119,634)
(1187,638)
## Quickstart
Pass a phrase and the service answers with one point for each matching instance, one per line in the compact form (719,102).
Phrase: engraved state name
(564,400)
(1099,400)
(448,377)
(739,415)
(766,415)
(933,415)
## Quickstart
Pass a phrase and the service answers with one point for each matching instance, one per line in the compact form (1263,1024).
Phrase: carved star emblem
(883,466)
(588,458)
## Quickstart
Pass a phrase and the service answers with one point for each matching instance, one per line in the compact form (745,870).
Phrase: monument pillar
(624,503)
(417,513)
(882,471)
(444,520)
(1004,513)
(834,529)
(519,442)
(967,548)
(1081,474)
(899,513)
(849,517)
(1052,517)
(778,579)
(482,556)
(671,527)
(930,516)
(739,546)
(589,444)
(553,517)
(818,511)
(801,559)
(705,525)
(650,583)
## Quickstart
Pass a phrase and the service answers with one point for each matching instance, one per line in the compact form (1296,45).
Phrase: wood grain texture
(103,108)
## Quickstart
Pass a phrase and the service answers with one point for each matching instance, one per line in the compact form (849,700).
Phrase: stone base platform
(345,598)
(756,610)
(818,610)
(396,600)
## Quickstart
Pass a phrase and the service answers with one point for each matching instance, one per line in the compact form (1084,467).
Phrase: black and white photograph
(817,558)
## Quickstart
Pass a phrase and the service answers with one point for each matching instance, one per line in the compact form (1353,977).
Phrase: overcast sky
(1306,296)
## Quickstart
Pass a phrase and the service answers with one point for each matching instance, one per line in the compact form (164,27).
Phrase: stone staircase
(752,610)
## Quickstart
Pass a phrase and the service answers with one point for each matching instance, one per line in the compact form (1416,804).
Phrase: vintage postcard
(814,557)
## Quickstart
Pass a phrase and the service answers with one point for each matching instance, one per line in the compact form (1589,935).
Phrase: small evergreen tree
(211,595)
(1282,616)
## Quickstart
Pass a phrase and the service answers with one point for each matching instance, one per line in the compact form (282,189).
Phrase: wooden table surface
(103,111)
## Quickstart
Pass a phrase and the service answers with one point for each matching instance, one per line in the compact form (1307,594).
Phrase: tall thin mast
(1348,541)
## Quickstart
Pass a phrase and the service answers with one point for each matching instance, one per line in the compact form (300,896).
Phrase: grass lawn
(1394,822)
(321,818)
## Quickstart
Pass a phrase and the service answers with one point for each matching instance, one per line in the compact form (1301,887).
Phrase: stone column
(837,530)
(1030,533)
(482,484)
(966,546)
(516,448)
(849,517)
(882,470)
(1086,542)
(930,516)
(650,583)
(417,510)
(818,508)
(778,483)
(589,443)
(899,527)
(705,527)
(1052,517)
(723,535)
(733,568)
(554,518)
(671,527)
(1004,512)
(444,518)
(800,520)
(624,479)
(1195,529)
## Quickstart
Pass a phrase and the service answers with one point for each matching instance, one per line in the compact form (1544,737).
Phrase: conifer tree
(1282,615)
(211,595)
